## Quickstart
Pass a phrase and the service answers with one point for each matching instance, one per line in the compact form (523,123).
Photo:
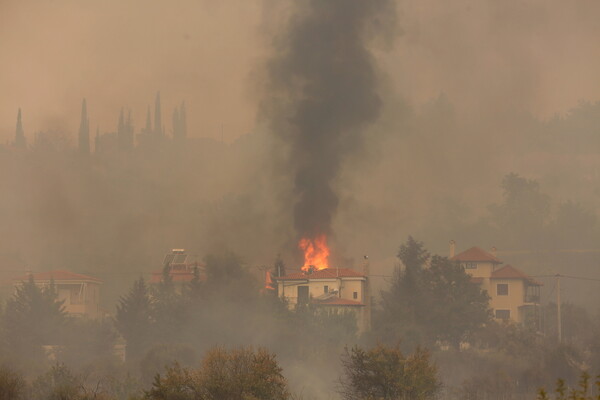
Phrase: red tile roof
(475,254)
(328,273)
(59,275)
(510,272)
(336,301)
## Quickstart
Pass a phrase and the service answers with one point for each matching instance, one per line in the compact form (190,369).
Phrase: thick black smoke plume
(325,93)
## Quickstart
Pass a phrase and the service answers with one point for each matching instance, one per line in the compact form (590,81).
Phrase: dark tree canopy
(133,319)
(431,299)
(384,373)
(33,317)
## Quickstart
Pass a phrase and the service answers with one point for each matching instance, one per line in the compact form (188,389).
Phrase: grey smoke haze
(323,93)
(541,56)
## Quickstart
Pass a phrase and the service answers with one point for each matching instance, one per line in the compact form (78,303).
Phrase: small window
(470,265)
(502,289)
(355,295)
(325,289)
(503,314)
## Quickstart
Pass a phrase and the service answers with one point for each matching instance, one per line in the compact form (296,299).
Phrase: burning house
(342,289)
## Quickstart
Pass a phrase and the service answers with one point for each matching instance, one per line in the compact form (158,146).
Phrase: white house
(331,288)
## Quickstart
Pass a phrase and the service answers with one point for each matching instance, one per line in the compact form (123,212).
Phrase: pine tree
(158,131)
(179,124)
(33,317)
(176,125)
(129,132)
(432,299)
(97,140)
(84,130)
(148,129)
(20,141)
(170,307)
(133,319)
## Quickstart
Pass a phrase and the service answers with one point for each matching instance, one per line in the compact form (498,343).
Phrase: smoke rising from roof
(323,94)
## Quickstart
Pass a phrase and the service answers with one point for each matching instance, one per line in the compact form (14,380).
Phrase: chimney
(494,251)
(452,248)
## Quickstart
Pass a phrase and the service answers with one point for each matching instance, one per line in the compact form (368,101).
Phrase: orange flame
(316,252)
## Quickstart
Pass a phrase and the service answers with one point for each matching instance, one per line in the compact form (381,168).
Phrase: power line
(567,276)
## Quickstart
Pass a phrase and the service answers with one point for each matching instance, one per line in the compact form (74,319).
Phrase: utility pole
(367,294)
(558,305)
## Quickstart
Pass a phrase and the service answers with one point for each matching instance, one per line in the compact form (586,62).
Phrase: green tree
(177,383)
(524,213)
(133,319)
(459,307)
(581,392)
(59,383)
(574,226)
(227,278)
(33,317)
(384,373)
(431,299)
(12,384)
(239,374)
(169,308)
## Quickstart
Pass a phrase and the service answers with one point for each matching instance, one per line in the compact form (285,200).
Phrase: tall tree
(524,213)
(158,130)
(133,319)
(20,141)
(84,130)
(170,307)
(33,317)
(430,299)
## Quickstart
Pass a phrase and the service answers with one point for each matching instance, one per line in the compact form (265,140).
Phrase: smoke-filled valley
(380,154)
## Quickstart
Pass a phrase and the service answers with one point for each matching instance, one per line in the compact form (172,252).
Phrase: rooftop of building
(57,276)
(328,273)
(476,254)
(510,272)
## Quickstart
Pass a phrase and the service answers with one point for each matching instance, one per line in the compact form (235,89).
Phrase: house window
(502,289)
(503,314)
(470,265)
(355,295)
(325,289)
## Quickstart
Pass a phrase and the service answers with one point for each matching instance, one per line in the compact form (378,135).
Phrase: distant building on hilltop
(514,295)
(80,293)
(332,288)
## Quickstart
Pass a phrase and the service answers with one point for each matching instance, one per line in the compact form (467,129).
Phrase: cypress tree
(84,130)
(20,141)
(148,129)
(157,117)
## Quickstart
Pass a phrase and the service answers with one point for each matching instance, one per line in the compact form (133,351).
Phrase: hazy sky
(533,55)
